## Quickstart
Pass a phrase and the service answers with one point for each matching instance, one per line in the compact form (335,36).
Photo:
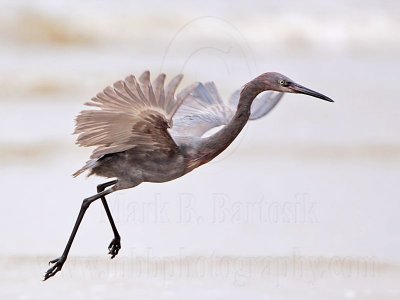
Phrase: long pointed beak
(297,88)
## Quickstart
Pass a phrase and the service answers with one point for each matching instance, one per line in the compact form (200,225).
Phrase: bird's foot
(57,266)
(114,247)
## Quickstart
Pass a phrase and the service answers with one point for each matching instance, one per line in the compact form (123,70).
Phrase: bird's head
(280,83)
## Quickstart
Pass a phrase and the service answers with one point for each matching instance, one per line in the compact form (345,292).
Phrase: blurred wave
(203,277)
(31,27)
(388,154)
(340,26)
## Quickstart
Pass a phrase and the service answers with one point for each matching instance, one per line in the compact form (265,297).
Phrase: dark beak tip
(297,88)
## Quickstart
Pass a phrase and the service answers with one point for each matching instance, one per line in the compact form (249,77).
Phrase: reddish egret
(136,141)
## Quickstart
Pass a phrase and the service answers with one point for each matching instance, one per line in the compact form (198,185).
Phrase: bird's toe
(57,266)
(114,247)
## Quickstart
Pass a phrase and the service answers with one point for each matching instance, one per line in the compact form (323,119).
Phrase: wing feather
(169,95)
(158,88)
(201,110)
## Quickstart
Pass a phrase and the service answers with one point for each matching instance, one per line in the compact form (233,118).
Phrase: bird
(143,131)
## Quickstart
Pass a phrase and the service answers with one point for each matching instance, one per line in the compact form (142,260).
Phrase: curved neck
(213,145)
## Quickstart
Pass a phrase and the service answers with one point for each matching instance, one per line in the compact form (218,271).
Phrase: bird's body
(134,166)
(183,149)
(144,133)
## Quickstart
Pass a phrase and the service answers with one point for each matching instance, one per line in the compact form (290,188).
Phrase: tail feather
(90,164)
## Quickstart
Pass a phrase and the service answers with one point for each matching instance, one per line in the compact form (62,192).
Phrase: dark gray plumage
(144,133)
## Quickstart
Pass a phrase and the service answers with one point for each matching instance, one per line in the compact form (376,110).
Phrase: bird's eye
(282,82)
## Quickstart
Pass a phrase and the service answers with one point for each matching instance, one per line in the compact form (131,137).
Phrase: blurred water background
(304,204)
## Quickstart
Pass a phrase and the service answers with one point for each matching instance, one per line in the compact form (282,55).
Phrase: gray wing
(132,113)
(262,105)
(203,109)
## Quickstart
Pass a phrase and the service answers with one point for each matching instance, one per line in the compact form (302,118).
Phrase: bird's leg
(59,262)
(115,244)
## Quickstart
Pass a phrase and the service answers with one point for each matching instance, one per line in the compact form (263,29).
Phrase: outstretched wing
(203,109)
(132,113)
